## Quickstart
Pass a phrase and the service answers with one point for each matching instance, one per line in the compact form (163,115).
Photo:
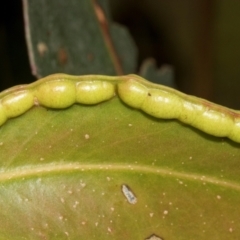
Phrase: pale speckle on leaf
(153,237)
(42,48)
(129,194)
(165,212)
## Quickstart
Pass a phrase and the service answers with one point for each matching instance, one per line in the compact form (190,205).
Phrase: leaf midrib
(56,168)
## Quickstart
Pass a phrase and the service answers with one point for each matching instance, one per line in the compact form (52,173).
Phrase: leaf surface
(62,173)
(76,37)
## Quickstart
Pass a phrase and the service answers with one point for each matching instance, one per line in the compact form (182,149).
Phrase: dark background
(200,38)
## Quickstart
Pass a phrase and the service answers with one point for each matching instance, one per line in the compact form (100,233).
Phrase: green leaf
(164,75)
(62,173)
(76,37)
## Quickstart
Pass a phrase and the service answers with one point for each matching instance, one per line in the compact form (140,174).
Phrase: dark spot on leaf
(62,56)
(90,57)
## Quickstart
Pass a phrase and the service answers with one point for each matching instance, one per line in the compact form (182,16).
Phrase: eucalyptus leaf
(62,173)
(164,75)
(76,37)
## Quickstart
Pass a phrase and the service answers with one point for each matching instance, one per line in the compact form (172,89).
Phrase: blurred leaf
(62,173)
(75,37)
(164,75)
